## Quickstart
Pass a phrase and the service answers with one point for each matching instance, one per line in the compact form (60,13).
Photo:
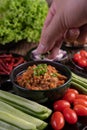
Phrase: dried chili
(8,62)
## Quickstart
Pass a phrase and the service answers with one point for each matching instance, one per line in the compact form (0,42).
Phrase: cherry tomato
(57,120)
(81,96)
(80,110)
(82,62)
(70,115)
(80,102)
(60,105)
(83,53)
(69,96)
(76,57)
(73,90)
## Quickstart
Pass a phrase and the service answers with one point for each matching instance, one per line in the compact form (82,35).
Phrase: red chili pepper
(8,62)
(3,68)
(18,60)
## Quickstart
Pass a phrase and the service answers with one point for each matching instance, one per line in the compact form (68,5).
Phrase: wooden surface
(21,47)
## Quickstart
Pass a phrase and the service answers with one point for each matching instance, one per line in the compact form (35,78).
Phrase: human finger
(83,35)
(72,34)
(55,50)
(42,47)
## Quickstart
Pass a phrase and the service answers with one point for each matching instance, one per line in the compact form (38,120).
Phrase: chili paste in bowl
(41,80)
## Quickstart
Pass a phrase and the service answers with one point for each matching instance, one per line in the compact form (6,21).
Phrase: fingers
(44,44)
(49,17)
(77,36)
(72,34)
(53,31)
(62,17)
(55,50)
(83,35)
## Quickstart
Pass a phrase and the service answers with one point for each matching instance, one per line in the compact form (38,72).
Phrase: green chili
(40,69)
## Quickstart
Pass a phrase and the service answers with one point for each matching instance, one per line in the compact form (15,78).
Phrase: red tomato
(83,53)
(82,62)
(76,57)
(73,90)
(70,115)
(80,110)
(57,120)
(81,96)
(69,96)
(80,102)
(60,105)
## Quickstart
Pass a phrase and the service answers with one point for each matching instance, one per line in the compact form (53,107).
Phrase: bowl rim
(40,61)
(29,54)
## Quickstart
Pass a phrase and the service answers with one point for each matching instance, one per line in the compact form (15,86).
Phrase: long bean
(79,83)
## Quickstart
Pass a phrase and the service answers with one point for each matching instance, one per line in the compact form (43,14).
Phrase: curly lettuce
(21,19)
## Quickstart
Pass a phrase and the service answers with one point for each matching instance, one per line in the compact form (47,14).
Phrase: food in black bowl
(41,81)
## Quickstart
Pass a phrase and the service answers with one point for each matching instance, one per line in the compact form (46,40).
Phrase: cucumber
(26,105)
(33,106)
(7,126)
(16,121)
(27,111)
(1,128)
(15,112)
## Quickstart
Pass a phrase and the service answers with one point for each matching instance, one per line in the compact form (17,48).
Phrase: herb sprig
(40,69)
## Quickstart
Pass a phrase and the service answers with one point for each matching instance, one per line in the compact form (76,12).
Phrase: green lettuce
(21,19)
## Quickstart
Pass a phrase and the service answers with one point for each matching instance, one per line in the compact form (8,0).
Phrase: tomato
(60,105)
(73,90)
(82,62)
(57,120)
(81,58)
(83,53)
(70,115)
(76,57)
(81,96)
(81,102)
(69,96)
(80,110)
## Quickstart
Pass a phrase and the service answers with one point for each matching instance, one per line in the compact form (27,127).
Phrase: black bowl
(41,96)
(31,56)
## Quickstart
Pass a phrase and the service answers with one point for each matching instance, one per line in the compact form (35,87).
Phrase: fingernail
(41,48)
(74,32)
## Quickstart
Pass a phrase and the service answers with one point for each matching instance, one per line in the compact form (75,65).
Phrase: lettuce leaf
(21,19)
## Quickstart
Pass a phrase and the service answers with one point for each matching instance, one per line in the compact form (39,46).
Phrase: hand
(77,37)
(63,15)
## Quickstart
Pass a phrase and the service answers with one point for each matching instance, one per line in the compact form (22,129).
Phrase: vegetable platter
(52,108)
(53,111)
(43,116)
